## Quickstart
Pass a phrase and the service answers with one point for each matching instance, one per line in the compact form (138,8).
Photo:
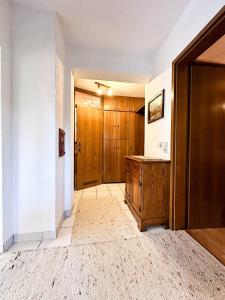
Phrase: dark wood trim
(180,123)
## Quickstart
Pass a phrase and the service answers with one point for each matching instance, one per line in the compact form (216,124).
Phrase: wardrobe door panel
(122,125)
(110,161)
(122,150)
(123,103)
(110,103)
(110,125)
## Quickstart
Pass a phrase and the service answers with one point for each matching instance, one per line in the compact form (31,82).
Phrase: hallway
(108,258)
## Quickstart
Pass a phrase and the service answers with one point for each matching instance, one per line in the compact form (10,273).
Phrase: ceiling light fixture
(100,91)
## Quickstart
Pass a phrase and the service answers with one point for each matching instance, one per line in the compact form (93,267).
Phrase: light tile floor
(64,237)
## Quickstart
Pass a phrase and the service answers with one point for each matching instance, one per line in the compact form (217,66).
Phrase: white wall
(192,21)
(158,131)
(33,59)
(69,140)
(6,205)
(60,120)
(91,64)
(195,17)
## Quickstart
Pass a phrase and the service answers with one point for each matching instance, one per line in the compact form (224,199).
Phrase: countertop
(146,159)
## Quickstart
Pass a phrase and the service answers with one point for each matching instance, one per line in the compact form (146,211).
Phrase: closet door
(110,161)
(123,103)
(122,150)
(136,134)
(110,103)
(110,125)
(122,125)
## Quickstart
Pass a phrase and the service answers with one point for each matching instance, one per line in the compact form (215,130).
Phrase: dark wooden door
(110,125)
(110,161)
(88,138)
(122,125)
(122,150)
(206,193)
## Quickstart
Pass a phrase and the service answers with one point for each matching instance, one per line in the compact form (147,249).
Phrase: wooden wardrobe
(123,134)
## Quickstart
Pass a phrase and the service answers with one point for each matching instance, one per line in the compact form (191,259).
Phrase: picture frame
(61,142)
(156,107)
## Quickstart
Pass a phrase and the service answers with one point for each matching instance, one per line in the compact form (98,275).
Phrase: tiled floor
(115,190)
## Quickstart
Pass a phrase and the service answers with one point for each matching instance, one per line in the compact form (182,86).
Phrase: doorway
(197,187)
(107,128)
(88,139)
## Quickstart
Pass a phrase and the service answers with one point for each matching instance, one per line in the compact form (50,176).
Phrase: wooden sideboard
(147,190)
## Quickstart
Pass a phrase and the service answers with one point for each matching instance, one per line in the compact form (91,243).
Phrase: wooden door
(110,103)
(122,150)
(122,103)
(110,125)
(122,125)
(89,150)
(110,161)
(136,134)
(206,193)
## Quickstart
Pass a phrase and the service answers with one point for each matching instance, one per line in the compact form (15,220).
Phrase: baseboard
(60,224)
(34,236)
(8,244)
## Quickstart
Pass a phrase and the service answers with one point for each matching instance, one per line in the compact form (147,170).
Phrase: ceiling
(215,53)
(118,88)
(115,26)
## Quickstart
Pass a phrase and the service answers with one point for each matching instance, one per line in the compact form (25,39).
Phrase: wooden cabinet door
(110,161)
(136,192)
(110,103)
(110,125)
(129,185)
(122,125)
(135,103)
(136,134)
(122,150)
(122,103)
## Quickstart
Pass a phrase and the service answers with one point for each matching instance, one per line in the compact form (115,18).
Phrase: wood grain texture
(110,161)
(213,239)
(110,125)
(180,91)
(136,134)
(122,125)
(215,53)
(89,142)
(206,190)
(147,191)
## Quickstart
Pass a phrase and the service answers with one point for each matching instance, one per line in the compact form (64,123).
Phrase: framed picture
(61,142)
(156,107)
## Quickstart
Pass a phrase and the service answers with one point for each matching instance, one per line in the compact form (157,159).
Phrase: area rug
(168,265)
(101,220)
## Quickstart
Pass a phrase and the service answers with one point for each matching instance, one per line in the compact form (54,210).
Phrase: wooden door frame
(180,117)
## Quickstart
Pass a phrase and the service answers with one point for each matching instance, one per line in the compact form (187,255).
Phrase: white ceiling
(116,26)
(118,88)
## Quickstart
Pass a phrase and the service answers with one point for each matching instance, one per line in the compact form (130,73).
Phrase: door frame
(214,30)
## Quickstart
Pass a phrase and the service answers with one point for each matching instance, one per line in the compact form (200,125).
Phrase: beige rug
(110,259)
(101,220)
(160,266)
